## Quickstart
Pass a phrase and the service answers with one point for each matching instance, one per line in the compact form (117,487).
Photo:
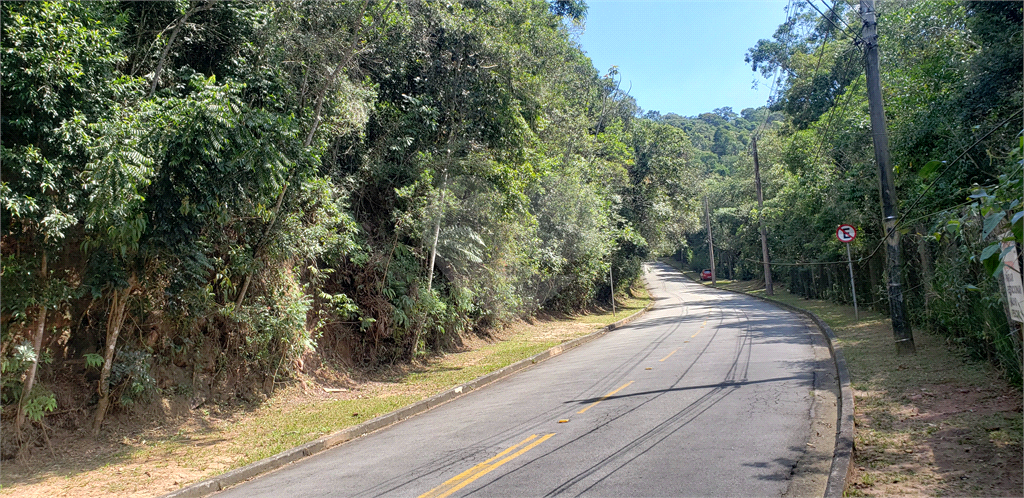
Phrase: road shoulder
(842,436)
(295,454)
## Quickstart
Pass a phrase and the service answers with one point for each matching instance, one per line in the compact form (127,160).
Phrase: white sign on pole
(1012,281)
(846,233)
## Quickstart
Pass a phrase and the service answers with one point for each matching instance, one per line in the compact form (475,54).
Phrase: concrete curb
(842,459)
(279,460)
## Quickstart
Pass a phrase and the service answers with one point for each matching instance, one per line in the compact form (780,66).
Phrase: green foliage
(130,379)
(956,160)
(13,367)
(93,360)
(1000,208)
(271,179)
(38,403)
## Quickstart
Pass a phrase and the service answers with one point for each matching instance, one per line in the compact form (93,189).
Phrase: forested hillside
(952,81)
(197,196)
(201,197)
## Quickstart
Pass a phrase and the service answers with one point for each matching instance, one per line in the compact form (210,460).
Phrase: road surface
(708,394)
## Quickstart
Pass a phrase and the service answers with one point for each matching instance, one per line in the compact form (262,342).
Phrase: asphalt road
(709,394)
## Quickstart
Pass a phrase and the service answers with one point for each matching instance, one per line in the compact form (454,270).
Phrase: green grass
(276,431)
(269,430)
(225,438)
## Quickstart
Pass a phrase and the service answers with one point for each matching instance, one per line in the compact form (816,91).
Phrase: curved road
(708,394)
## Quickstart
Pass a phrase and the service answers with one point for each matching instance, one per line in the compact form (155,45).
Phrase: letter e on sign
(846,233)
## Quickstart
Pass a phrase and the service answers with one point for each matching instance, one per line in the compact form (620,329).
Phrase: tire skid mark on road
(484,446)
(606,396)
(643,443)
(628,365)
(479,470)
(625,455)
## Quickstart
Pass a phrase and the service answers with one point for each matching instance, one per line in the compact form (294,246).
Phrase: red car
(705,275)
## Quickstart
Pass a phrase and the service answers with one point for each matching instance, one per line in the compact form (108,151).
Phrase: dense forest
(199,197)
(953,87)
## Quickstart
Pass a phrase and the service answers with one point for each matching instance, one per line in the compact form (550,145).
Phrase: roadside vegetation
(202,198)
(203,203)
(953,93)
(938,423)
(175,446)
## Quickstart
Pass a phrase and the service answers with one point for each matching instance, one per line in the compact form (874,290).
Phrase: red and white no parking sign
(846,233)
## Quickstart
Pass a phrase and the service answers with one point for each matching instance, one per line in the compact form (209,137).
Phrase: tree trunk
(114,321)
(433,251)
(440,214)
(37,344)
(170,41)
(310,134)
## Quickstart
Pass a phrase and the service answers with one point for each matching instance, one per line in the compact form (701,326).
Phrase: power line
(962,204)
(831,114)
(775,80)
(830,21)
(903,218)
(821,53)
(928,187)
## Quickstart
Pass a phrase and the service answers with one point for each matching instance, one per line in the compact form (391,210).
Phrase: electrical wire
(757,133)
(902,220)
(830,21)
(775,80)
(831,114)
(928,187)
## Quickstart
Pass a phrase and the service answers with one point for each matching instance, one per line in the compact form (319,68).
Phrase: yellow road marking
(701,328)
(606,396)
(479,470)
(670,354)
(480,465)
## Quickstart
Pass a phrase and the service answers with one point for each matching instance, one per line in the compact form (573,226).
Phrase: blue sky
(682,56)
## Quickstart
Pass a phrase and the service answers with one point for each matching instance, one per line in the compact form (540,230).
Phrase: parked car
(705,275)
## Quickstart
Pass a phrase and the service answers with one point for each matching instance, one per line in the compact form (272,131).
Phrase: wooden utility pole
(611,283)
(900,325)
(711,243)
(760,217)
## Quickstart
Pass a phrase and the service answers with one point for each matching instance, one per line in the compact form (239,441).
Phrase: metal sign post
(846,234)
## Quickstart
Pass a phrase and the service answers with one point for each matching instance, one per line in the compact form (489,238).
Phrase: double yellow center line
(479,470)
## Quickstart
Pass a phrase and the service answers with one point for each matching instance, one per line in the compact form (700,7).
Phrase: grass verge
(932,424)
(209,441)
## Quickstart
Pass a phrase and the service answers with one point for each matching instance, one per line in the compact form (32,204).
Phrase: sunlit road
(706,395)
